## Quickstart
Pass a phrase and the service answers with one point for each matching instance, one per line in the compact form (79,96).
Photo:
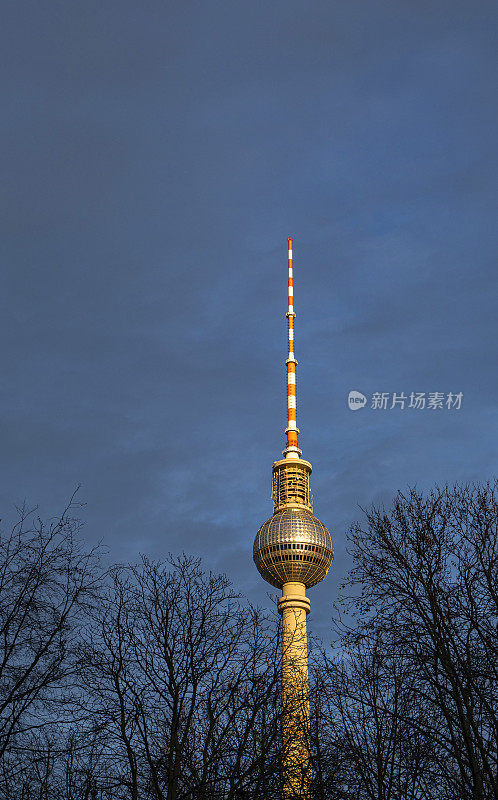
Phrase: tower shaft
(296,765)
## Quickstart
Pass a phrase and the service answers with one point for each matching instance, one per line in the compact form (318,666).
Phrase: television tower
(293,551)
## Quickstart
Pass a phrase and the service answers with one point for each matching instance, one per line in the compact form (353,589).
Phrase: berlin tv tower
(293,551)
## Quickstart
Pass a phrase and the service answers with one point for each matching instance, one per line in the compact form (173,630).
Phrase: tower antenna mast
(292,450)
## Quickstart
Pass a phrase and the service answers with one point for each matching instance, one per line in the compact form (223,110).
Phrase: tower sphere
(293,545)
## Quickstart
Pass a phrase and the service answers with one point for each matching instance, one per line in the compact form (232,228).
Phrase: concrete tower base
(296,766)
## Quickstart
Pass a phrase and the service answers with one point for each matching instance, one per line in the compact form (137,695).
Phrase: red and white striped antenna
(292,450)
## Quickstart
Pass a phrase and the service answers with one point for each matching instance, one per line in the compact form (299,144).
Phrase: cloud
(156,161)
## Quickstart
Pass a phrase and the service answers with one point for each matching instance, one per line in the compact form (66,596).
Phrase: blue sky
(155,158)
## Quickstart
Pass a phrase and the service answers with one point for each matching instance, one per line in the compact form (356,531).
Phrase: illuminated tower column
(293,551)
(296,768)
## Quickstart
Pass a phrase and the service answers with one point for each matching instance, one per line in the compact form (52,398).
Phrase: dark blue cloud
(156,157)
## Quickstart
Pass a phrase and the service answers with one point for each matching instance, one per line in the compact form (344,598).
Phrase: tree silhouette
(159,681)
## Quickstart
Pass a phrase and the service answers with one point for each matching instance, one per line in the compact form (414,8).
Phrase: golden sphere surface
(293,545)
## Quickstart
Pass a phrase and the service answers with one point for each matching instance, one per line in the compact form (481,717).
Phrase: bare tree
(371,744)
(47,585)
(159,681)
(424,577)
(184,679)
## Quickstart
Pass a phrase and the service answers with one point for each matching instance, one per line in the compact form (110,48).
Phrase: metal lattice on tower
(293,551)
